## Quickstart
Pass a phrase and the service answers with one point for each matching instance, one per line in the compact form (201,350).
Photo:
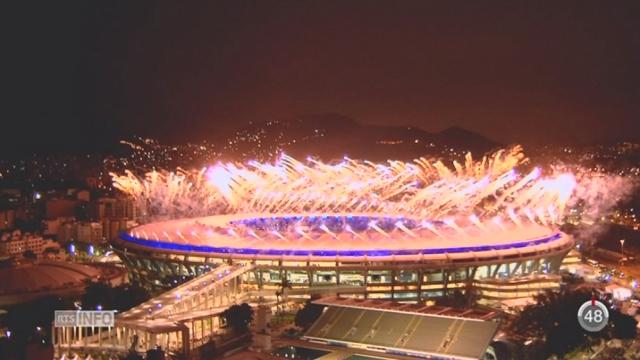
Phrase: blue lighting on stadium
(331,253)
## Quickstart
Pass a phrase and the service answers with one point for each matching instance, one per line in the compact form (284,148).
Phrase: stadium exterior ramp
(403,329)
(179,320)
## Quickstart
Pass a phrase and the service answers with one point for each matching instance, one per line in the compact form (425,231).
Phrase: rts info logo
(84,318)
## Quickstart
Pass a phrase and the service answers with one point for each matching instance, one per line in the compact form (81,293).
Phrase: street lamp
(622,249)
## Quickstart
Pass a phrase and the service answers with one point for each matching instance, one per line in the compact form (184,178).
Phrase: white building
(90,233)
(67,231)
(51,227)
(16,243)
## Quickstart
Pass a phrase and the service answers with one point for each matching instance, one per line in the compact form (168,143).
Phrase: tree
(30,320)
(128,296)
(284,284)
(306,316)
(155,354)
(97,293)
(623,326)
(238,317)
(120,298)
(8,348)
(29,254)
(553,320)
(612,354)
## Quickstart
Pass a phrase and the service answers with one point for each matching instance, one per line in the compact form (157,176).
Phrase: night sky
(82,74)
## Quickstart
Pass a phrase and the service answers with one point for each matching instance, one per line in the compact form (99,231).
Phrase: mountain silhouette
(332,136)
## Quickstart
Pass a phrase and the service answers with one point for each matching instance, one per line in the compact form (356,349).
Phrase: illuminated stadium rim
(330,253)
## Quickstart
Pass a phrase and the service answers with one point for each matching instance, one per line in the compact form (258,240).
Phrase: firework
(493,187)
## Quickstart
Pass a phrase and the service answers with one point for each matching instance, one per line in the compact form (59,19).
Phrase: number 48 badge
(593,315)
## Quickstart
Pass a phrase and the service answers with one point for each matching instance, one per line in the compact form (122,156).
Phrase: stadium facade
(381,263)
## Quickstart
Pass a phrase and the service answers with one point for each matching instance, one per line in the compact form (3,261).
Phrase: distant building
(90,233)
(113,227)
(72,216)
(16,243)
(109,207)
(50,227)
(67,231)
(115,214)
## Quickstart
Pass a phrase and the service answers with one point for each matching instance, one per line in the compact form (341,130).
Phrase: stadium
(401,230)
(359,255)
(376,244)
